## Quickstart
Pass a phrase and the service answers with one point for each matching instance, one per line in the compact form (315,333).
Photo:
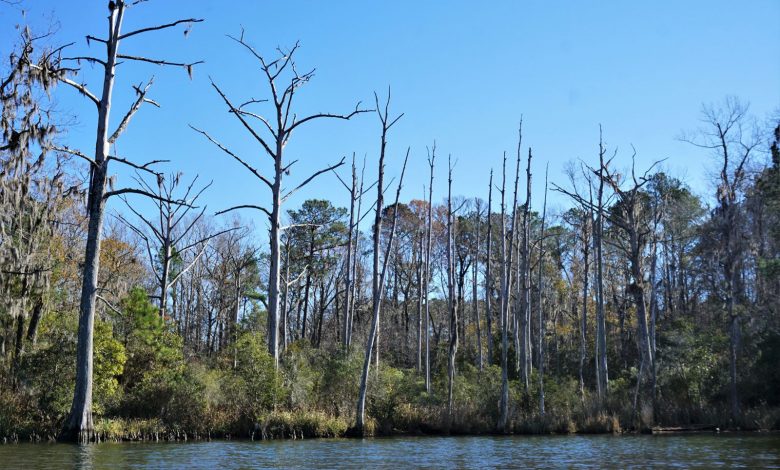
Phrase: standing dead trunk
(280,127)
(79,426)
(541,304)
(506,285)
(452,296)
(420,292)
(348,267)
(378,276)
(474,276)
(602,375)
(585,284)
(488,277)
(525,281)
(427,274)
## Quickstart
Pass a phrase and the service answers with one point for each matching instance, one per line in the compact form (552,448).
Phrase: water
(671,451)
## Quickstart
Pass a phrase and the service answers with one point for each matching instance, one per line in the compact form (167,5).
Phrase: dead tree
(420,284)
(79,425)
(452,297)
(629,215)
(524,350)
(348,267)
(506,286)
(163,238)
(474,281)
(602,371)
(378,274)
(596,211)
(541,298)
(732,140)
(427,273)
(488,276)
(356,193)
(283,80)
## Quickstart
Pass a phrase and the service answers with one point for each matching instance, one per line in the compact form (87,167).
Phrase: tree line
(642,303)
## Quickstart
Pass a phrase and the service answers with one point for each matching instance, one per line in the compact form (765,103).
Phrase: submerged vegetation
(641,305)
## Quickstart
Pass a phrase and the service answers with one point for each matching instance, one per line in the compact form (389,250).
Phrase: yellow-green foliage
(49,368)
(300,424)
(256,385)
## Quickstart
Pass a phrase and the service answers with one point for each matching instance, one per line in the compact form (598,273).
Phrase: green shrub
(49,372)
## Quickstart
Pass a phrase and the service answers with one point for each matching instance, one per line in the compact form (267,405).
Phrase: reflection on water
(685,451)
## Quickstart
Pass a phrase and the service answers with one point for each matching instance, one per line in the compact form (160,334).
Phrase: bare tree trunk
(474,298)
(378,277)
(420,285)
(452,296)
(285,295)
(427,277)
(503,419)
(584,320)
(348,268)
(525,280)
(506,283)
(356,259)
(602,376)
(541,305)
(79,426)
(488,277)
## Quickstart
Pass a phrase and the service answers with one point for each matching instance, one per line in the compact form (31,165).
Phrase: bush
(300,424)
(49,373)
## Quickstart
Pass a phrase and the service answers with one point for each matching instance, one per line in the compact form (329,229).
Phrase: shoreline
(183,437)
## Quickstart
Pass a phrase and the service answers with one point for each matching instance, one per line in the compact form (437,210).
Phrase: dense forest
(643,304)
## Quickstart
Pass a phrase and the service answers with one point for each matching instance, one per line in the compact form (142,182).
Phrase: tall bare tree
(488,276)
(541,298)
(474,279)
(427,271)
(506,284)
(732,139)
(378,274)
(524,284)
(452,296)
(79,425)
(283,81)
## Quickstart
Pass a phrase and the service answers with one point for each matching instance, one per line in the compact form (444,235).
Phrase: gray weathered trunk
(79,426)
(541,305)
(488,277)
(274,221)
(474,298)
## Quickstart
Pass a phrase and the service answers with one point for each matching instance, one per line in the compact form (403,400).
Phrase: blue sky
(462,72)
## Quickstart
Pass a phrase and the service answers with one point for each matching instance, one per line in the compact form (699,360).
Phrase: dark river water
(671,451)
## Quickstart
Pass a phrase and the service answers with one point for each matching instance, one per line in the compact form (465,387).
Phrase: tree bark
(79,425)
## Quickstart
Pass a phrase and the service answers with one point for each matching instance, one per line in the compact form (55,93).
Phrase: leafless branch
(328,115)
(236,157)
(245,206)
(144,167)
(308,180)
(133,109)
(87,59)
(141,192)
(74,152)
(157,28)
(251,130)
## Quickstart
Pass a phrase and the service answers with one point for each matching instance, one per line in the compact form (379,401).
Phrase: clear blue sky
(462,72)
